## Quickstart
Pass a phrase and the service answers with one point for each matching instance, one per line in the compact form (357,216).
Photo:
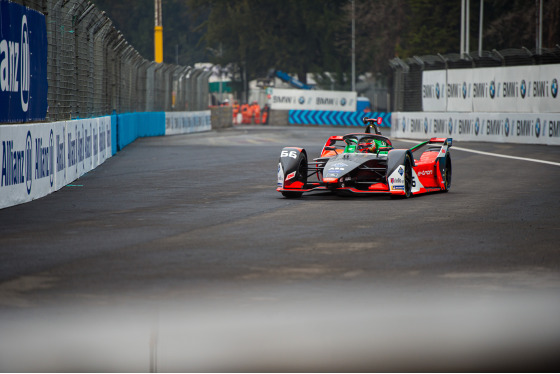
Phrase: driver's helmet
(367,145)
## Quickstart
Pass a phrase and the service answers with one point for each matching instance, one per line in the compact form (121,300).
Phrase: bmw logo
(554,88)
(476,126)
(523,88)
(507,127)
(450,125)
(464,90)
(404,124)
(425,125)
(492,89)
(538,127)
(343,101)
(437,90)
(301,100)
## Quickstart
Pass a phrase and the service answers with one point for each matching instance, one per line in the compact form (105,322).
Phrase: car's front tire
(407,179)
(301,176)
(446,174)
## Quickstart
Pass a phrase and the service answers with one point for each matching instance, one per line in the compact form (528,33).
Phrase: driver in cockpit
(367,145)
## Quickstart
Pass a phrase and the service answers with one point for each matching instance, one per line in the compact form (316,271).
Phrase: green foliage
(301,36)
(293,35)
(434,27)
(135,19)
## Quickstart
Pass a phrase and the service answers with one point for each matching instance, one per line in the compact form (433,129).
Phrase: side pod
(396,157)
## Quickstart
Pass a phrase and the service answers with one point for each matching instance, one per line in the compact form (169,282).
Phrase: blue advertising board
(23,64)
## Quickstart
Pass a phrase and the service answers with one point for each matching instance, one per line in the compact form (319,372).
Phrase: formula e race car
(367,163)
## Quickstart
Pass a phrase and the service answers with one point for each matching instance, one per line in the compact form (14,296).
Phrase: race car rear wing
(446,141)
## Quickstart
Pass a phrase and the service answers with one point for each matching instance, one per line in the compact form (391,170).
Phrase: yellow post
(158,43)
(158,32)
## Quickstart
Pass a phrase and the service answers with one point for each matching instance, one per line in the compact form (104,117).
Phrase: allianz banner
(23,64)
(37,159)
(514,89)
(293,99)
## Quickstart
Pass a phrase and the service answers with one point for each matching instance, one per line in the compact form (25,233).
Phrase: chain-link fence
(407,74)
(93,71)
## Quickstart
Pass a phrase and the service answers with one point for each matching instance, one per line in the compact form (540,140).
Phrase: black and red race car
(367,163)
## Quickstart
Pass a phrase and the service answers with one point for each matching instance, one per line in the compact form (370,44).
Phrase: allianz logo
(14,65)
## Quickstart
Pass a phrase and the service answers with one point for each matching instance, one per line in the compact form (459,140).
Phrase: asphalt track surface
(177,254)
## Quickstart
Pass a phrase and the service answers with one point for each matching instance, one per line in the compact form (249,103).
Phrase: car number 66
(292,154)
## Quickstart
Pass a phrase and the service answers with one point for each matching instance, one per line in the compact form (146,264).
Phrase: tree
(433,27)
(293,35)
(380,27)
(135,19)
(512,24)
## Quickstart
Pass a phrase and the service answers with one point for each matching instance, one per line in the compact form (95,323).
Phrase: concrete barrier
(222,117)
(131,126)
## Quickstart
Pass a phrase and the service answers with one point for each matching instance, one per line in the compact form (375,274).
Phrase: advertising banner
(526,128)
(287,99)
(434,90)
(38,159)
(23,64)
(105,139)
(459,90)
(520,89)
(312,117)
(514,89)
(187,122)
(28,162)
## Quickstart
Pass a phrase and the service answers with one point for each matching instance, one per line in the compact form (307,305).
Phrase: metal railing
(92,70)
(407,74)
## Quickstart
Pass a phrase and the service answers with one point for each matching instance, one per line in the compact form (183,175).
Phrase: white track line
(492,154)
